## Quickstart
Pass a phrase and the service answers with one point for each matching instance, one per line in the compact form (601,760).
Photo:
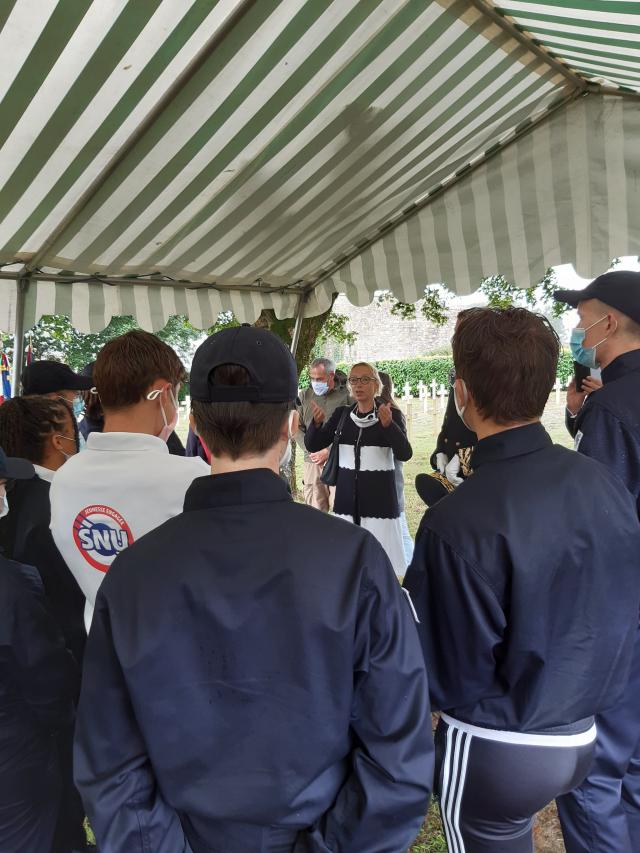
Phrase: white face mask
(367,420)
(66,455)
(461,409)
(4,506)
(169,426)
(285,459)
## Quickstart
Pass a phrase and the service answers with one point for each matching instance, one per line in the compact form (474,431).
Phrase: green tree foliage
(433,305)
(501,293)
(54,337)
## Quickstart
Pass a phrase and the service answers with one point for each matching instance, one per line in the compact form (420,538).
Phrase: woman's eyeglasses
(360,380)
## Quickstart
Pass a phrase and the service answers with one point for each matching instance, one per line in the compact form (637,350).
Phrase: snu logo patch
(100,534)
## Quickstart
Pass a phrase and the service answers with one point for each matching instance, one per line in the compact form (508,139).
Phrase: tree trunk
(311,328)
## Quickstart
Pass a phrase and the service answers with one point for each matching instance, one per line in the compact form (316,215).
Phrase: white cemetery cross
(407,391)
(421,390)
(558,388)
(442,391)
(434,388)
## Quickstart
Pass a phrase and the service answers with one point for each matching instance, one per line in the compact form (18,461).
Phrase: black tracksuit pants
(490,788)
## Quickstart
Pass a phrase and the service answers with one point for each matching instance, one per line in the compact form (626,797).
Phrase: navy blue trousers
(602,815)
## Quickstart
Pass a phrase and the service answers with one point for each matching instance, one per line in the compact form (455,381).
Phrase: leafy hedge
(412,370)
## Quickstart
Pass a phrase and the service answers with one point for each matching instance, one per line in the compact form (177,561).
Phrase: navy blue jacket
(608,426)
(253,664)
(26,538)
(527,600)
(38,680)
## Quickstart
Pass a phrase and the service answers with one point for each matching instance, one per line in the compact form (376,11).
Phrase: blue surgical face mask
(78,405)
(586,356)
(320,388)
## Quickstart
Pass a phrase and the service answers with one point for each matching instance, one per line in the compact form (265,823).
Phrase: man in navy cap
(603,814)
(54,379)
(244,690)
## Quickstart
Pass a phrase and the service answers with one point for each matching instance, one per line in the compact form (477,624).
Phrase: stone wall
(381,335)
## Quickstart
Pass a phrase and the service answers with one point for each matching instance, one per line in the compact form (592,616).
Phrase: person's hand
(591,384)
(318,414)
(384,415)
(441,462)
(575,398)
(320,457)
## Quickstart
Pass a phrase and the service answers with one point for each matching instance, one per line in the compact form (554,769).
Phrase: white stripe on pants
(455,771)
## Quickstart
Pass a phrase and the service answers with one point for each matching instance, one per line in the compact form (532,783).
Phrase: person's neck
(485,429)
(52,461)
(613,352)
(365,407)
(226,465)
(135,419)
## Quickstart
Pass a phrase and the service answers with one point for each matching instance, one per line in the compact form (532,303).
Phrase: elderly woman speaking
(371,438)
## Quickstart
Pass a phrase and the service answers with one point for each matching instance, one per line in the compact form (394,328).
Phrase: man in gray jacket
(326,392)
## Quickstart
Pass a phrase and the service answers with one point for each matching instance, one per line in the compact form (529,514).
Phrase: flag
(6,377)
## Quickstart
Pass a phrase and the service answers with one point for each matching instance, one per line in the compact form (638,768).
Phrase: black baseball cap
(15,469)
(45,377)
(619,289)
(270,365)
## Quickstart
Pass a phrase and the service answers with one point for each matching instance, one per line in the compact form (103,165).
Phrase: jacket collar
(513,442)
(628,362)
(242,487)
(45,474)
(131,441)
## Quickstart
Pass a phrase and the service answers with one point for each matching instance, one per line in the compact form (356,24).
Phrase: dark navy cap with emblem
(47,377)
(273,377)
(619,289)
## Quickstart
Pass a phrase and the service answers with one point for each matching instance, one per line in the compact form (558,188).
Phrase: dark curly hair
(27,422)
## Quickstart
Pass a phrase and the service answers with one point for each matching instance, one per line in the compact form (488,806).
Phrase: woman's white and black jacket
(366,490)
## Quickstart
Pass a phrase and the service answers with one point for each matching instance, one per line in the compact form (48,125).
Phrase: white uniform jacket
(103,499)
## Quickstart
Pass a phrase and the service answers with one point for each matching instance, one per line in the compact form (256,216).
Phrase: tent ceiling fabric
(567,191)
(600,39)
(255,141)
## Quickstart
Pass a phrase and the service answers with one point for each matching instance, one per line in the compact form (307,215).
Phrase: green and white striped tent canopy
(193,156)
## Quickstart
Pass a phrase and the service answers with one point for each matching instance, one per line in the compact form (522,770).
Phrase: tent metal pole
(297,329)
(136,282)
(22,285)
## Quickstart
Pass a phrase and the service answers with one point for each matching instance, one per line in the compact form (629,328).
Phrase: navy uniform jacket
(25,537)
(608,426)
(38,680)
(527,601)
(253,663)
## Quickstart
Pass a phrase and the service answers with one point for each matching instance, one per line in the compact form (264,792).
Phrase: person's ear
(612,324)
(56,441)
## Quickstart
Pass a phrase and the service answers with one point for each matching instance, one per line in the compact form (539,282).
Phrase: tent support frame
(22,285)
(297,329)
(162,282)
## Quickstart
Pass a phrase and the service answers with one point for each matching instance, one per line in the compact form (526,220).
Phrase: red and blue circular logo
(100,534)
